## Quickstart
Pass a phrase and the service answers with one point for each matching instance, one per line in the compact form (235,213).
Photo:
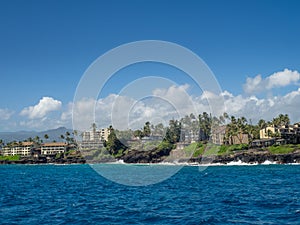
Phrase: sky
(251,47)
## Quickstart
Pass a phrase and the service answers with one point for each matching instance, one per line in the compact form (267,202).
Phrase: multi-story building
(105,132)
(96,135)
(268,132)
(218,135)
(289,134)
(53,148)
(19,148)
(94,139)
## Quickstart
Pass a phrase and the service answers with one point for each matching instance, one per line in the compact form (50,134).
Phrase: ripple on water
(219,195)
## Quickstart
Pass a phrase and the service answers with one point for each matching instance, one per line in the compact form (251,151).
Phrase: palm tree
(75,133)
(62,136)
(147,129)
(270,133)
(46,136)
(37,139)
(262,124)
(68,136)
(94,127)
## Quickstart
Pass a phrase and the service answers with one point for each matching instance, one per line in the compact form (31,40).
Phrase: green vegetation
(228,149)
(202,148)
(195,149)
(146,132)
(282,149)
(173,132)
(211,149)
(113,145)
(164,145)
(59,155)
(10,158)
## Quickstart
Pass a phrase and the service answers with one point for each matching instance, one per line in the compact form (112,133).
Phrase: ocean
(77,194)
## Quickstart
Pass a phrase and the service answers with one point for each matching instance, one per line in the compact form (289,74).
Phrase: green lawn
(282,149)
(10,158)
(195,149)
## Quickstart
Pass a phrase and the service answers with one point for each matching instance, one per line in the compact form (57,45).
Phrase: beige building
(264,133)
(218,135)
(97,135)
(105,132)
(53,148)
(22,148)
(94,139)
(239,139)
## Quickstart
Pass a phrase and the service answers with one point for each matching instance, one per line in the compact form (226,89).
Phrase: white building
(53,148)
(105,132)
(22,149)
(94,139)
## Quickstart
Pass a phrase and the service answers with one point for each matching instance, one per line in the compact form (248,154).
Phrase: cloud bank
(40,110)
(125,112)
(279,79)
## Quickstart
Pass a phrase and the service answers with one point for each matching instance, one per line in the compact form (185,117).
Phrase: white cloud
(5,114)
(124,112)
(254,84)
(278,79)
(282,78)
(45,105)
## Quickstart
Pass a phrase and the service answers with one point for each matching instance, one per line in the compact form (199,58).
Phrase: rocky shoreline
(135,157)
(44,160)
(251,157)
(247,156)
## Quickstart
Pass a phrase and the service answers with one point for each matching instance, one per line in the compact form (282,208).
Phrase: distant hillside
(53,134)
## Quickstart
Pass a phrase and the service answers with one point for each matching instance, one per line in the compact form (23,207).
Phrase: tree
(138,133)
(94,127)
(173,132)
(270,133)
(281,120)
(237,127)
(46,136)
(62,136)
(147,129)
(205,123)
(68,137)
(37,139)
(113,144)
(159,129)
(262,124)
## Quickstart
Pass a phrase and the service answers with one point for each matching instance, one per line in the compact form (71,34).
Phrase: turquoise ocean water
(76,194)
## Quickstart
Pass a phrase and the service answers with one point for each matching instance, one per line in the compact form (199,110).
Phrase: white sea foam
(268,162)
(176,163)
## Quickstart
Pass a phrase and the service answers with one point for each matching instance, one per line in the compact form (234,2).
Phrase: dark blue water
(76,194)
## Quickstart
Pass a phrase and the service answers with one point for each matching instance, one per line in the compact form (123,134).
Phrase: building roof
(219,129)
(52,144)
(27,143)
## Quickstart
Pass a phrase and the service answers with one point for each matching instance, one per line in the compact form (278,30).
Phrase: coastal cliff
(251,157)
(254,156)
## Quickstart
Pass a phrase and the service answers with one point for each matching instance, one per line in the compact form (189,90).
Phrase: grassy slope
(197,149)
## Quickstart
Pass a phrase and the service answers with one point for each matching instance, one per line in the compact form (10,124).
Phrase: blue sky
(45,46)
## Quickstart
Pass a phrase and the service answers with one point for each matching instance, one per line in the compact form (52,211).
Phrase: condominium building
(53,148)
(267,132)
(20,148)
(105,132)
(94,139)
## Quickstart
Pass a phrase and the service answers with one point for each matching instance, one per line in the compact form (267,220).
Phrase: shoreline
(246,157)
(232,163)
